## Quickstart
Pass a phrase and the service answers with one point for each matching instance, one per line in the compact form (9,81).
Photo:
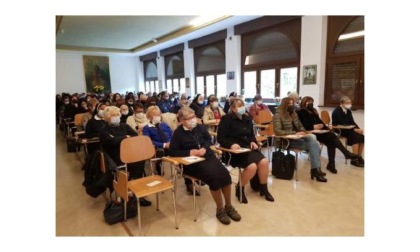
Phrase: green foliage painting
(97,74)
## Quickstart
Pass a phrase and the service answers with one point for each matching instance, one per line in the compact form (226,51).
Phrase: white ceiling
(134,34)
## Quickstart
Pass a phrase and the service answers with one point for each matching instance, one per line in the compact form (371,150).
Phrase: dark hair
(303,105)
(257,97)
(195,100)
(232,94)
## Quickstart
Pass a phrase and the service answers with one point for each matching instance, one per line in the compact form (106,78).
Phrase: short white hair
(294,95)
(111,110)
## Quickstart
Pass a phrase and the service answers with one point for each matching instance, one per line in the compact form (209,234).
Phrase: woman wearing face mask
(190,139)
(183,102)
(355,137)
(287,122)
(158,131)
(309,117)
(258,105)
(198,106)
(165,104)
(212,114)
(111,135)
(236,131)
(138,120)
(125,113)
(94,125)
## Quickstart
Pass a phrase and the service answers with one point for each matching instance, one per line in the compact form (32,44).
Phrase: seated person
(165,104)
(212,114)
(232,96)
(236,131)
(258,105)
(111,135)
(138,120)
(309,117)
(94,125)
(342,116)
(190,139)
(198,106)
(125,113)
(91,108)
(287,122)
(181,103)
(159,132)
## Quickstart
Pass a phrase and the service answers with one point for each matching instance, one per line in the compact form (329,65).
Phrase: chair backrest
(136,149)
(263,117)
(121,185)
(171,120)
(325,117)
(78,119)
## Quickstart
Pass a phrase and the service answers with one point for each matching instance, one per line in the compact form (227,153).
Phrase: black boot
(331,167)
(321,172)
(264,192)
(244,199)
(315,174)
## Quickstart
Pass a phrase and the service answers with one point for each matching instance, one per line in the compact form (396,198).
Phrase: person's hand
(318,126)
(253,146)
(194,152)
(127,136)
(235,146)
(360,131)
(202,152)
(166,145)
(301,133)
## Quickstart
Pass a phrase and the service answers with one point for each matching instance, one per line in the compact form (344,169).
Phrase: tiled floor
(304,208)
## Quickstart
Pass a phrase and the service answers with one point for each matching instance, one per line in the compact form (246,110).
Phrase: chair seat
(141,189)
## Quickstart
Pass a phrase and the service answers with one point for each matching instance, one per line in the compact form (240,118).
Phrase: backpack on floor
(283,166)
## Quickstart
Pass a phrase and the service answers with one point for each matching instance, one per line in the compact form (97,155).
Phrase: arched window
(210,64)
(345,60)
(270,56)
(174,68)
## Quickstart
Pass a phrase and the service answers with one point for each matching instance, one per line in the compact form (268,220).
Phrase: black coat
(185,140)
(308,119)
(233,130)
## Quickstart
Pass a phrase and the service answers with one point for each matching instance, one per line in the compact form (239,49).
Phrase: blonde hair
(151,109)
(111,110)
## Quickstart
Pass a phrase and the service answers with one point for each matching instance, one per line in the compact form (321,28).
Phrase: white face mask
(156,120)
(347,106)
(259,102)
(115,120)
(215,104)
(101,113)
(140,115)
(125,112)
(200,102)
(240,111)
(192,123)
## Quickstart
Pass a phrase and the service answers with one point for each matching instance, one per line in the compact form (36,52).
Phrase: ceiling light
(154,40)
(203,20)
(351,35)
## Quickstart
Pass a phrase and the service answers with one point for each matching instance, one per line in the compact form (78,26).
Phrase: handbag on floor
(114,211)
(283,166)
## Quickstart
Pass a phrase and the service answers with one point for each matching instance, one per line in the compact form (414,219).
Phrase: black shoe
(357,163)
(264,192)
(331,167)
(237,193)
(321,172)
(190,190)
(361,160)
(315,174)
(145,202)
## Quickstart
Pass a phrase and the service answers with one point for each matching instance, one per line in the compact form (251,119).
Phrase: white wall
(124,72)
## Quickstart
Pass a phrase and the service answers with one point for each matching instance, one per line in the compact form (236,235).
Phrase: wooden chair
(171,120)
(325,117)
(136,149)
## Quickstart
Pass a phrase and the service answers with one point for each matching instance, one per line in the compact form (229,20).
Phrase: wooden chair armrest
(169,160)
(215,150)
(260,126)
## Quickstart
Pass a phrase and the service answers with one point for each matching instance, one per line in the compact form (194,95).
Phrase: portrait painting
(97,74)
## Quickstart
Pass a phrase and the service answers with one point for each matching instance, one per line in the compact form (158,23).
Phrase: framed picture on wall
(97,74)
(309,74)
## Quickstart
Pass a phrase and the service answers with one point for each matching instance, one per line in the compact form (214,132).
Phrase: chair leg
(174,204)
(125,210)
(194,202)
(296,165)
(240,184)
(157,201)
(139,216)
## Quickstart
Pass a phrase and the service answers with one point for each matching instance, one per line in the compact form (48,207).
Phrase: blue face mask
(240,111)
(115,120)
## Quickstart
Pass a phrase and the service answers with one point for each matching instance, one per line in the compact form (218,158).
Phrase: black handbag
(283,166)
(114,211)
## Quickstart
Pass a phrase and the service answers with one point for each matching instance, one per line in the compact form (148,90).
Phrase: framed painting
(97,74)
(309,74)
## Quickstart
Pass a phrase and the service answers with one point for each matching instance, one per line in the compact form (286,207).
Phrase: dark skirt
(211,171)
(244,159)
(353,137)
